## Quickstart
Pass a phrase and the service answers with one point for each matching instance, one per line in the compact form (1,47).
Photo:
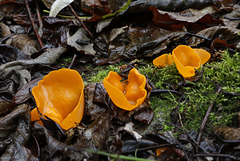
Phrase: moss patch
(189,108)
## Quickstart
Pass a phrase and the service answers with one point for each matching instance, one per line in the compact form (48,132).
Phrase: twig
(34,25)
(73,59)
(114,156)
(198,36)
(232,19)
(79,19)
(192,139)
(206,118)
(39,16)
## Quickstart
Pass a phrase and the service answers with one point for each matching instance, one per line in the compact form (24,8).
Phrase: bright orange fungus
(60,96)
(128,94)
(185,58)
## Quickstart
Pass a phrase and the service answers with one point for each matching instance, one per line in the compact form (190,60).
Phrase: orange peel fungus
(128,94)
(185,58)
(60,96)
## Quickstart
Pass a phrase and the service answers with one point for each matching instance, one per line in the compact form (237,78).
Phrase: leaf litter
(139,30)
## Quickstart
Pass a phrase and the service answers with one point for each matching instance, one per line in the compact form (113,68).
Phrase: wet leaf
(93,110)
(170,5)
(52,148)
(5,30)
(145,116)
(171,22)
(218,44)
(15,130)
(9,53)
(7,89)
(171,154)
(5,107)
(23,42)
(138,42)
(17,70)
(96,8)
(97,132)
(227,34)
(25,92)
(17,151)
(80,42)
(58,5)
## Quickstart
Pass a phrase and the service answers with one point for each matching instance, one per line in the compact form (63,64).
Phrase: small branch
(73,59)
(232,19)
(190,137)
(34,25)
(39,16)
(79,19)
(206,118)
(113,156)
(198,36)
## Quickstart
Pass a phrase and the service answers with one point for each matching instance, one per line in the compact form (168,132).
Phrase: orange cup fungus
(60,96)
(185,58)
(128,94)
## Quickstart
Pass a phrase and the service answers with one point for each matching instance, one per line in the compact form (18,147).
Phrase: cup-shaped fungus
(128,94)
(163,60)
(187,60)
(60,96)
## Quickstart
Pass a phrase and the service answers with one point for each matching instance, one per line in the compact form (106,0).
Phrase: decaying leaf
(225,33)
(23,42)
(51,148)
(172,5)
(136,42)
(9,53)
(17,69)
(228,133)
(5,30)
(7,89)
(15,133)
(25,92)
(80,41)
(58,5)
(5,107)
(176,22)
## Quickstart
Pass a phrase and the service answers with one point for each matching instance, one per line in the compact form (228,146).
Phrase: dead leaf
(138,42)
(25,92)
(80,42)
(218,44)
(9,53)
(228,133)
(17,69)
(176,21)
(15,133)
(51,148)
(225,33)
(23,42)
(58,5)
(170,5)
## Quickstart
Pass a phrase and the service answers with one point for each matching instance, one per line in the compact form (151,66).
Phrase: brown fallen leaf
(225,33)
(23,42)
(228,133)
(176,21)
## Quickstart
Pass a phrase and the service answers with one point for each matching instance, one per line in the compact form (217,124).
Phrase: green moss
(100,72)
(190,108)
